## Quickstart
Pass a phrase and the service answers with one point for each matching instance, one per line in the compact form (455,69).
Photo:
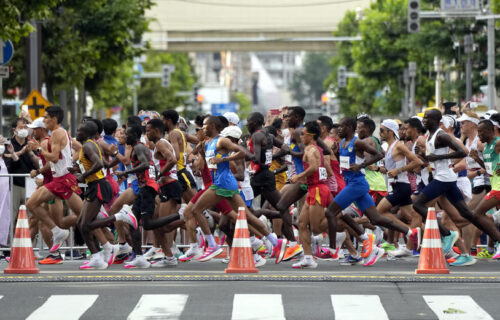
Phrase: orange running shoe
(52,259)
(368,246)
(292,252)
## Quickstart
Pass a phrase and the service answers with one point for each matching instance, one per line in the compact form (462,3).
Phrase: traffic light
(341,77)
(165,75)
(413,16)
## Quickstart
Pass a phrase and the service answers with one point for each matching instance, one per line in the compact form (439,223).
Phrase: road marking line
(456,308)
(258,306)
(64,307)
(351,306)
(159,306)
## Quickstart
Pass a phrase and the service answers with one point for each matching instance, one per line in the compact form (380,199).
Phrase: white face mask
(2,149)
(23,133)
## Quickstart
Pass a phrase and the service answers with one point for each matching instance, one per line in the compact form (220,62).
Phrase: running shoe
(58,239)
(377,253)
(175,251)
(451,256)
(497,253)
(52,259)
(139,262)
(166,262)
(225,260)
(340,238)
(96,262)
(110,254)
(124,249)
(269,248)
(463,260)
(351,261)
(158,256)
(191,253)
(292,252)
(326,254)
(256,244)
(127,216)
(210,252)
(484,254)
(130,258)
(259,261)
(388,246)
(150,253)
(279,250)
(400,253)
(415,237)
(305,264)
(449,241)
(76,255)
(368,246)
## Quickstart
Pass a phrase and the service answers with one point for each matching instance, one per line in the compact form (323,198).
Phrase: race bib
(52,167)
(40,164)
(152,172)
(344,162)
(380,163)
(288,158)
(322,173)
(269,157)
(82,168)
(489,168)
(210,165)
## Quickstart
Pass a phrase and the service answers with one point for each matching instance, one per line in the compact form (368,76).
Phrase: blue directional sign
(219,109)
(6,51)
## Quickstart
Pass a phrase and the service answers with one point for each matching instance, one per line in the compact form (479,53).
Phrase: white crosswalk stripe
(456,308)
(351,306)
(159,306)
(68,307)
(270,306)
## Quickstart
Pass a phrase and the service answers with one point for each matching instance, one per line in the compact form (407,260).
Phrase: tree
(307,84)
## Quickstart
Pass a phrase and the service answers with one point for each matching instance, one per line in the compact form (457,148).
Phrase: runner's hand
(294,179)
(33,145)
(392,173)
(215,160)
(79,177)
(120,174)
(383,170)
(33,173)
(355,167)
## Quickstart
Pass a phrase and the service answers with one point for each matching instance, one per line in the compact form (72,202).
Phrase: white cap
(38,123)
(448,121)
(232,118)
(392,125)
(231,131)
(489,113)
(466,117)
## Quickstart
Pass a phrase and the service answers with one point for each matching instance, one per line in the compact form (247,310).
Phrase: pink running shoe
(210,252)
(279,250)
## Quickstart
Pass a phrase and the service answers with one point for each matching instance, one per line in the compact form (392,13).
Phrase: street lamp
(438,67)
(412,72)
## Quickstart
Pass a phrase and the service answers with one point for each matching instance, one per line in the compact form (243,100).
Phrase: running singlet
(47,175)
(319,176)
(60,168)
(491,160)
(266,155)
(473,165)
(161,163)
(222,176)
(86,164)
(442,170)
(347,157)
(297,166)
(146,177)
(391,164)
(181,163)
(376,179)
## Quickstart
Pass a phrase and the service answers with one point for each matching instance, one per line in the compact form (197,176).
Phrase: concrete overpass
(238,25)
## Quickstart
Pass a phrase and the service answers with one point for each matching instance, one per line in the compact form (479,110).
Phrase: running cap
(232,118)
(466,117)
(448,121)
(489,113)
(38,123)
(392,125)
(231,131)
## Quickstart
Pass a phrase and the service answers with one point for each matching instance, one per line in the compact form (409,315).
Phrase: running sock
(292,244)
(308,257)
(363,237)
(211,241)
(491,250)
(274,241)
(107,246)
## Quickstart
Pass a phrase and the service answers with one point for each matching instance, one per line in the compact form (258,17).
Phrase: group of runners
(327,191)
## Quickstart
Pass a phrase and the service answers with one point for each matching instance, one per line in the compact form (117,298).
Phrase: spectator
(4,198)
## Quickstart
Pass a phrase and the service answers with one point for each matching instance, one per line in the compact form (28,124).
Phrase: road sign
(460,5)
(6,51)
(36,104)
(4,72)
(218,109)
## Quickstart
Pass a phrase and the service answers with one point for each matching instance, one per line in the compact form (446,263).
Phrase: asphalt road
(388,290)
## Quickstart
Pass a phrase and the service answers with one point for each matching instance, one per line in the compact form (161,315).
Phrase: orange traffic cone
(22,259)
(431,253)
(241,259)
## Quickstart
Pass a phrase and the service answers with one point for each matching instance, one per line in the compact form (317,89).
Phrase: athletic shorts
(492,194)
(319,193)
(377,194)
(145,203)
(171,191)
(420,187)
(186,179)
(263,182)
(99,189)
(355,191)
(481,188)
(115,188)
(63,187)
(222,206)
(135,187)
(463,183)
(400,194)
(248,203)
(436,188)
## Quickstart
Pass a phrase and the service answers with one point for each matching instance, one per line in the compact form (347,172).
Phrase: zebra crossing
(270,306)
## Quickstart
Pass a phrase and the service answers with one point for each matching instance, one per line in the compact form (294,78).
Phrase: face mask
(23,133)
(2,149)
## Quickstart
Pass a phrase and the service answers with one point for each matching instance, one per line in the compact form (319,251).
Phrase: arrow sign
(6,51)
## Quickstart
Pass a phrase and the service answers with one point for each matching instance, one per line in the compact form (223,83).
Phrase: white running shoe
(165,262)
(256,244)
(124,248)
(340,238)
(191,253)
(58,239)
(225,260)
(400,252)
(269,248)
(258,260)
(158,255)
(138,262)
(126,215)
(151,252)
(305,264)
(96,262)
(110,254)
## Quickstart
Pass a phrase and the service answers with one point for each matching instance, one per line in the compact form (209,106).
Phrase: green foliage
(307,83)
(244,102)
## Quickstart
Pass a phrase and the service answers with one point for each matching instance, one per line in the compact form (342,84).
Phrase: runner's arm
(225,143)
(174,137)
(165,151)
(296,137)
(312,157)
(444,140)
(141,152)
(56,144)
(415,162)
(365,147)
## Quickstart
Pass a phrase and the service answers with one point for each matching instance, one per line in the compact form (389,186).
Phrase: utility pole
(438,67)
(468,48)
(412,72)
(491,64)
(406,81)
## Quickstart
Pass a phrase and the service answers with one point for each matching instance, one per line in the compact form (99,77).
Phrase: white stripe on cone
(241,243)
(241,224)
(21,243)
(431,243)
(22,223)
